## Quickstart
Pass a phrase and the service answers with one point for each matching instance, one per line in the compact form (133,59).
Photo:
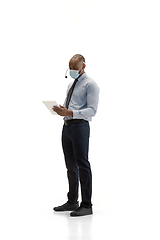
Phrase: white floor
(125,190)
(26,217)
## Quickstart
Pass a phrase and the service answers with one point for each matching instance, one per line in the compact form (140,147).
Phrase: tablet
(49,105)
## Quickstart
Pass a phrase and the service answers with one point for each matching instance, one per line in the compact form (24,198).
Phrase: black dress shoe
(81,211)
(66,207)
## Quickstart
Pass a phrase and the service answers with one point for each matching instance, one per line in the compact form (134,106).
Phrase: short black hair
(80,57)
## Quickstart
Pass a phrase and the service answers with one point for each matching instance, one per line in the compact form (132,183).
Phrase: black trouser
(75,143)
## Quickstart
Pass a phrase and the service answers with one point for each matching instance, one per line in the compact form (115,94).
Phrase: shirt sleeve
(92,103)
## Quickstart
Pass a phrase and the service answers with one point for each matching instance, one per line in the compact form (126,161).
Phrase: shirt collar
(82,76)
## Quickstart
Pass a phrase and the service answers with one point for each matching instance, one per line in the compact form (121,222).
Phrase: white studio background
(120,41)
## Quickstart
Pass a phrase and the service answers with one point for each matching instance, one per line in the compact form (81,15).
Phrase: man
(79,107)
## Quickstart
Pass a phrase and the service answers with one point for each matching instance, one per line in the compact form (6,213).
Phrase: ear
(84,65)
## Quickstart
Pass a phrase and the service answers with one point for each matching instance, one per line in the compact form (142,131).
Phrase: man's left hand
(62,111)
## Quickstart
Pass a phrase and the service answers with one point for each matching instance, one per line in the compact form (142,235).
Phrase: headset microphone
(66,73)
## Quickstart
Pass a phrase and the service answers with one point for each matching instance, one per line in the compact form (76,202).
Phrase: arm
(92,103)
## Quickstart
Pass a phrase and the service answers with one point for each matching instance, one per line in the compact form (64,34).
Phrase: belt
(72,121)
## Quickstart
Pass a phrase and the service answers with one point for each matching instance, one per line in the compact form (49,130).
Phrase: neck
(82,73)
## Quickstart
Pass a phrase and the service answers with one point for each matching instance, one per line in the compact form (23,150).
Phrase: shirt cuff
(75,114)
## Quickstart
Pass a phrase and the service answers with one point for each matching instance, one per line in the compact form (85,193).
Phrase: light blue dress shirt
(84,99)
